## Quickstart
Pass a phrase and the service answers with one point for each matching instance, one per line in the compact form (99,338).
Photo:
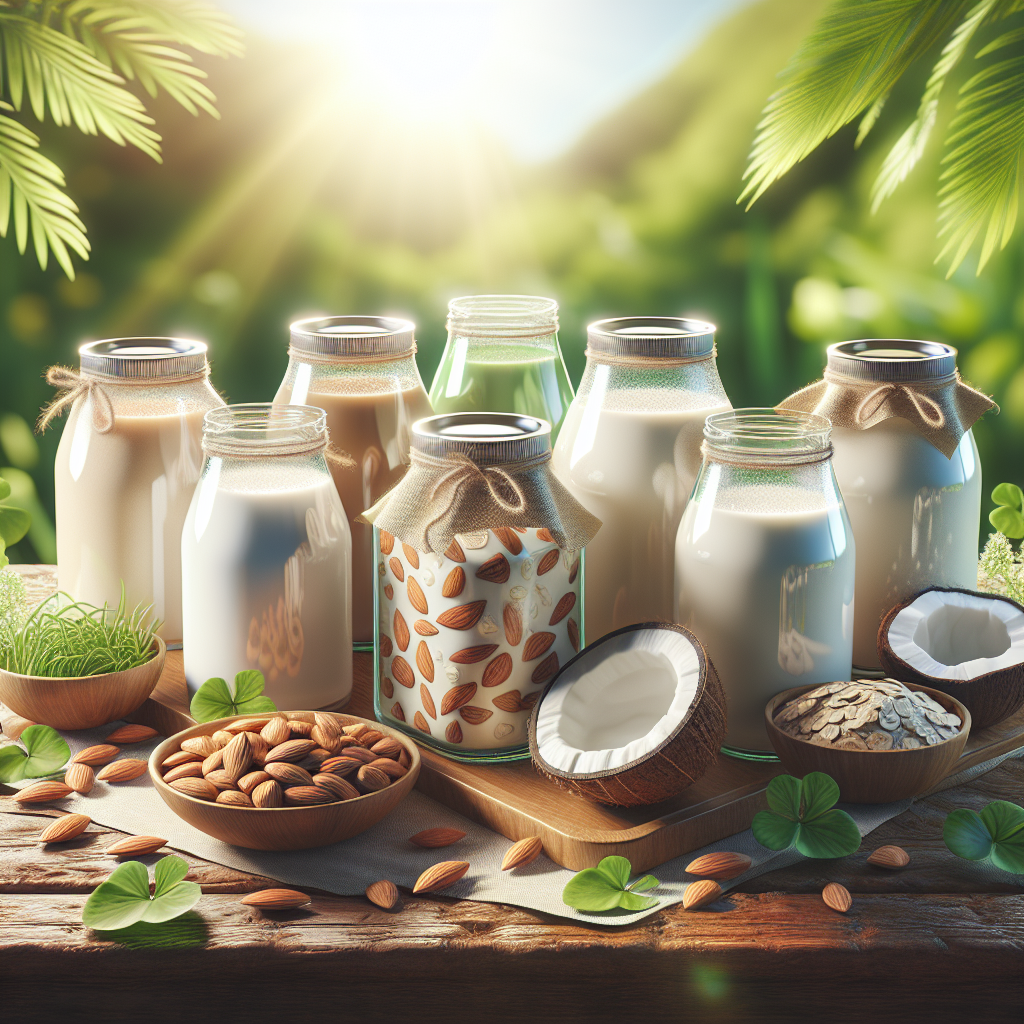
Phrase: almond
(453,734)
(509,538)
(124,770)
(306,796)
(440,876)
(891,857)
(387,542)
(391,768)
(474,715)
(199,789)
(355,730)
(260,748)
(80,778)
(389,591)
(401,631)
(238,756)
(546,670)
(536,644)
(386,647)
(427,701)
(421,723)
(267,794)
(471,655)
(456,697)
(180,757)
(398,569)
(290,750)
(498,670)
(387,687)
(463,616)
(402,671)
(574,634)
(384,894)
(221,779)
(42,792)
(546,535)
(495,570)
(455,552)
(98,755)
(316,757)
(216,760)
(300,729)
(341,765)
(510,701)
(247,783)
(65,828)
(700,894)
(433,838)
(454,582)
(276,731)
(412,556)
(425,628)
(548,562)
(191,770)
(326,730)
(719,865)
(201,745)
(365,756)
(405,759)
(386,747)
(135,846)
(416,596)
(566,603)
(249,724)
(574,571)
(837,897)
(338,787)
(289,774)
(526,851)
(372,779)
(234,798)
(276,899)
(130,733)
(397,711)
(513,620)
(222,737)
(424,661)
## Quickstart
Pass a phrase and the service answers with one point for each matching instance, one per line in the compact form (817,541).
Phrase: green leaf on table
(123,899)
(802,815)
(45,752)
(607,887)
(995,835)
(1008,515)
(214,700)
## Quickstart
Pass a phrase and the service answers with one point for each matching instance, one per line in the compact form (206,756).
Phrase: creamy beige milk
(769,594)
(265,573)
(634,470)
(121,501)
(915,516)
(374,429)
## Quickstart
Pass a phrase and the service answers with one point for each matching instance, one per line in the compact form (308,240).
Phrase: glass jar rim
(261,429)
(767,435)
(502,316)
(144,359)
(886,360)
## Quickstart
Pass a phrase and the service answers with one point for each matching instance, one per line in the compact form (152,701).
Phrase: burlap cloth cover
(440,497)
(941,410)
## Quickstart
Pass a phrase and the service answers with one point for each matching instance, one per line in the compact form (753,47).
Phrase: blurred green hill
(304,200)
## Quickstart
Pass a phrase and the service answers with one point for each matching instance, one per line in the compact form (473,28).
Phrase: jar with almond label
(478,588)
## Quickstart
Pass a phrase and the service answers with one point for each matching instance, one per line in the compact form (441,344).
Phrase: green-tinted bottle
(502,355)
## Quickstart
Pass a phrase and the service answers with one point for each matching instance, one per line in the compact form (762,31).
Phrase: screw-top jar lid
(353,336)
(884,359)
(660,337)
(488,438)
(144,358)
(502,316)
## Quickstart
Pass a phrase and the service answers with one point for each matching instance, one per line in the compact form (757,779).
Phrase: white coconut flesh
(948,635)
(620,704)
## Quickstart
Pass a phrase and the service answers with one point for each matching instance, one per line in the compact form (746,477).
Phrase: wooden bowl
(871,776)
(83,702)
(284,828)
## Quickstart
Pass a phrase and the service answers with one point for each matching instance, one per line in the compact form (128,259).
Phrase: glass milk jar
(629,451)
(266,559)
(126,466)
(468,638)
(502,355)
(361,370)
(908,468)
(765,563)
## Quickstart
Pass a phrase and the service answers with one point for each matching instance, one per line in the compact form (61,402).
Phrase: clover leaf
(996,835)
(1008,515)
(802,814)
(607,887)
(214,700)
(45,753)
(14,522)
(124,897)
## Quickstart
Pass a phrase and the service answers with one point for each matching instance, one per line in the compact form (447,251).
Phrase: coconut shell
(989,698)
(666,770)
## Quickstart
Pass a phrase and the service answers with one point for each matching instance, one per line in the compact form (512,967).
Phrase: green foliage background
(300,202)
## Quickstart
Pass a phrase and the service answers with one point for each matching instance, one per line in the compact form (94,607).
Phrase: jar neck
(503,318)
(696,377)
(767,438)
(264,431)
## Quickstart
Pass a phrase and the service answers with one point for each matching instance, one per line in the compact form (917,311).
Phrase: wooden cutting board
(516,801)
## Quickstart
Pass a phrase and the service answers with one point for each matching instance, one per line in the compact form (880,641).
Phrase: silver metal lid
(502,316)
(661,337)
(885,359)
(353,336)
(144,358)
(488,438)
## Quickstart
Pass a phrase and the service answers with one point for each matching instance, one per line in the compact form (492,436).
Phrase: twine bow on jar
(927,408)
(459,472)
(73,385)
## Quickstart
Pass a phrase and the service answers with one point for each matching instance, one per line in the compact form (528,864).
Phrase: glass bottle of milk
(126,467)
(361,370)
(629,452)
(267,559)
(765,563)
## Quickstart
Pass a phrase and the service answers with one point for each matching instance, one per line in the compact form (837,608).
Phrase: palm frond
(30,187)
(868,120)
(855,54)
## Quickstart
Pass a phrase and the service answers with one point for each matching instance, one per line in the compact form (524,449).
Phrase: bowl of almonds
(286,781)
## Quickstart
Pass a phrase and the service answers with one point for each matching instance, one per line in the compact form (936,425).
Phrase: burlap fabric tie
(73,385)
(440,497)
(942,410)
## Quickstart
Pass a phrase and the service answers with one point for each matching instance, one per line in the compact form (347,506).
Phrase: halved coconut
(633,719)
(962,642)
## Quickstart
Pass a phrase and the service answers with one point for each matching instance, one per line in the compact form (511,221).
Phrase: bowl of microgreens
(75,666)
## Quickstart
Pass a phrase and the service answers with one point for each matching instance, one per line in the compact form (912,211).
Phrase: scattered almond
(276,899)
(526,851)
(65,828)
(122,771)
(837,897)
(891,857)
(441,875)
(42,792)
(130,733)
(719,865)
(384,894)
(433,838)
(135,846)
(80,777)
(95,756)
(700,894)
